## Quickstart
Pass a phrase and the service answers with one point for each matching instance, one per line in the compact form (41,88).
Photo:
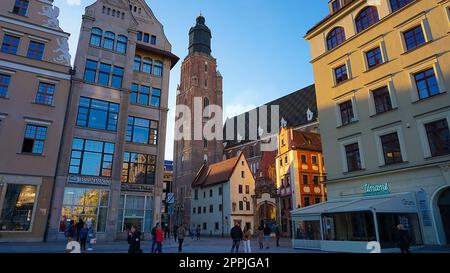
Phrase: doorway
(444,209)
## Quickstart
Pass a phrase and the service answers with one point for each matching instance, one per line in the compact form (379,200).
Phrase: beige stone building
(34,87)
(384,112)
(111,164)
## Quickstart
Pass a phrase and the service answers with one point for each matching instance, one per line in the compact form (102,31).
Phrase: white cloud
(73,2)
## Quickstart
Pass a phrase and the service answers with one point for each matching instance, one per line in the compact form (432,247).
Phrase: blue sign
(170,209)
(424,209)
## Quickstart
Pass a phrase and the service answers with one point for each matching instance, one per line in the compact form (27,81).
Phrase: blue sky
(258,45)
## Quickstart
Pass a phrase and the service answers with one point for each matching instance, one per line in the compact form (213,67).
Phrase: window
(336,5)
(158,69)
(414,37)
(340,74)
(117,77)
(317,200)
(204,226)
(211,208)
(20,7)
(45,93)
(307,230)
(346,110)
(316,180)
(139,36)
(247,189)
(141,130)
(210,193)
(4,84)
(98,114)
(10,44)
(35,50)
(144,95)
(247,205)
(307,201)
(426,83)
(108,41)
(147,66)
(153,40)
(96,36)
(34,139)
(242,174)
(398,4)
(134,93)
(241,205)
(304,159)
(335,37)
(382,100)
(367,18)
(286,160)
(138,168)
(374,57)
(196,194)
(121,46)
(137,63)
(353,157)
(350,226)
(90,71)
(91,157)
(199,209)
(204,209)
(18,207)
(103,74)
(314,160)
(240,189)
(193,210)
(220,191)
(146,37)
(281,162)
(305,179)
(391,149)
(438,137)
(216,225)
(220,207)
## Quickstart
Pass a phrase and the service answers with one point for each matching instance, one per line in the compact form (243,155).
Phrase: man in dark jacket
(236,236)
(267,231)
(134,240)
(80,226)
(403,240)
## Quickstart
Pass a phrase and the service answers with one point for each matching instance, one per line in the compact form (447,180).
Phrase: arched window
(158,69)
(205,105)
(366,18)
(108,41)
(96,36)
(147,66)
(121,46)
(137,63)
(335,37)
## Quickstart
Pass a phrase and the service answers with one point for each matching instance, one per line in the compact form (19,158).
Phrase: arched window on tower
(366,18)
(335,37)
(96,36)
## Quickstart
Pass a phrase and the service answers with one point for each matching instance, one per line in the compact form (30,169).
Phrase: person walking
(159,234)
(261,236)
(181,232)
(83,237)
(277,232)
(91,235)
(70,231)
(236,237)
(403,239)
(192,231)
(134,240)
(247,238)
(197,232)
(267,231)
(80,226)
(153,232)
(175,234)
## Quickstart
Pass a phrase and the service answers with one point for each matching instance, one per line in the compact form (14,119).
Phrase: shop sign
(424,208)
(87,180)
(376,189)
(137,187)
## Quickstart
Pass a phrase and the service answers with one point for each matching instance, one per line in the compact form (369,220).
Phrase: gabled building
(222,196)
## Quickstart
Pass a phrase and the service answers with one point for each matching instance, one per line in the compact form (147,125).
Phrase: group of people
(81,232)
(264,232)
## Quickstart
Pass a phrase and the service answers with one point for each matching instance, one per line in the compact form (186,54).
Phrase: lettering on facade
(375,189)
(136,187)
(98,181)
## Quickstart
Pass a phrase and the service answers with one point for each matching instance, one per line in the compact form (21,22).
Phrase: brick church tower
(200,80)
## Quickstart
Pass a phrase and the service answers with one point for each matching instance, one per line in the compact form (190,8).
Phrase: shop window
(387,223)
(138,168)
(18,207)
(349,226)
(308,230)
(135,210)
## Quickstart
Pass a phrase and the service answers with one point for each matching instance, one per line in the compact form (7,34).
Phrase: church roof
(217,173)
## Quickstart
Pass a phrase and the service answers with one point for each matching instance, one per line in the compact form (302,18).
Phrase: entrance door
(444,208)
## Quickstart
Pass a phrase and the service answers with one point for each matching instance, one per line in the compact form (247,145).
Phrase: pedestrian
(403,239)
(261,236)
(267,232)
(197,232)
(91,235)
(83,237)
(192,231)
(70,231)
(153,232)
(134,240)
(247,238)
(236,237)
(276,230)
(181,232)
(80,226)
(175,228)
(159,234)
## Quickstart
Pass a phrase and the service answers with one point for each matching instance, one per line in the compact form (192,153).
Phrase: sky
(258,45)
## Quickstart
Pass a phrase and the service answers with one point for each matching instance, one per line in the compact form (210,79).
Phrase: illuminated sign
(376,189)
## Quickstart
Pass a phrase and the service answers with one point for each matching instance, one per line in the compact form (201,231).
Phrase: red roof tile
(216,173)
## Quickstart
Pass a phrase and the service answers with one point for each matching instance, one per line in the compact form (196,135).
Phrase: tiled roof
(306,141)
(216,173)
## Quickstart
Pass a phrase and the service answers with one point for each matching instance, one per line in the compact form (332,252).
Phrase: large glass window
(103,74)
(90,71)
(414,37)
(391,149)
(34,139)
(367,18)
(308,230)
(10,44)
(346,110)
(438,137)
(141,130)
(96,36)
(91,157)
(349,226)
(121,46)
(387,223)
(135,210)
(156,97)
(398,4)
(98,114)
(426,83)
(340,74)
(18,207)
(158,69)
(382,100)
(353,157)
(138,168)
(21,7)
(117,77)
(89,205)
(374,57)
(335,37)
(45,93)
(4,84)
(108,41)
(35,50)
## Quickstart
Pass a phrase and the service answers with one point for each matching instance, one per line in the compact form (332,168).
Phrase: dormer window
(335,5)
